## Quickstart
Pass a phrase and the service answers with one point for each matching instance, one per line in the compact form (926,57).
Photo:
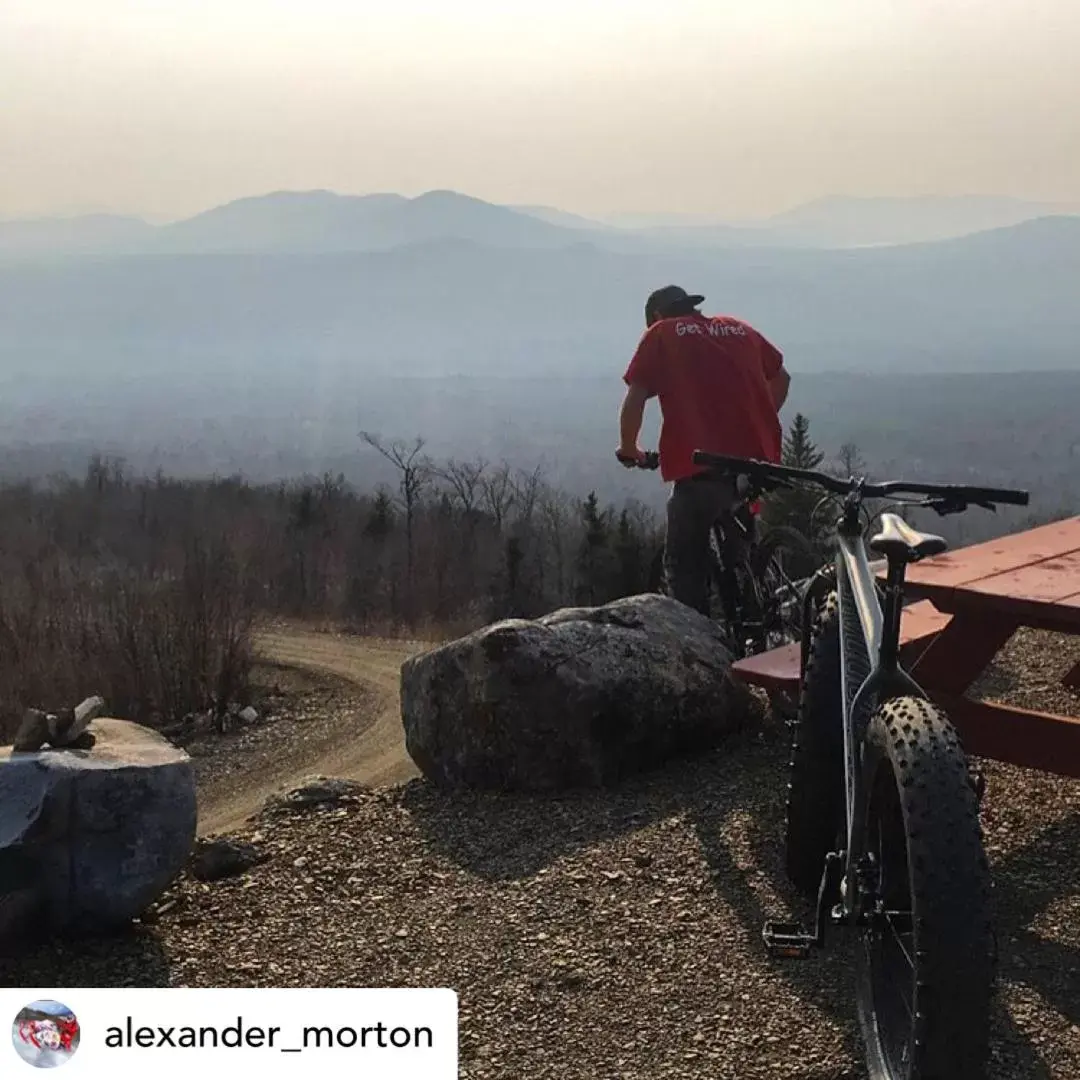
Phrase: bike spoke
(898,935)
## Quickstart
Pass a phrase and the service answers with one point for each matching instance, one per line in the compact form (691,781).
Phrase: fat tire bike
(883,807)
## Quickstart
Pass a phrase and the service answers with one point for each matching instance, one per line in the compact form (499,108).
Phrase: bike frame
(870,673)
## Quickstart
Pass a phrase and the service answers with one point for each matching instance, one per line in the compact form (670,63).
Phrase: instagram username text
(241,1035)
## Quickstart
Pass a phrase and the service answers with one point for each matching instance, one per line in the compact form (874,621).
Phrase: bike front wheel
(925,963)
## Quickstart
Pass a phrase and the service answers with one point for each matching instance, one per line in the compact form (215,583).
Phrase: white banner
(402,1034)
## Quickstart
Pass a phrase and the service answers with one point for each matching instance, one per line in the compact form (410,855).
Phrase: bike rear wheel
(925,962)
(780,559)
(815,800)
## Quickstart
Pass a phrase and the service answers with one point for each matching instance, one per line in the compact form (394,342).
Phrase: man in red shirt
(721,385)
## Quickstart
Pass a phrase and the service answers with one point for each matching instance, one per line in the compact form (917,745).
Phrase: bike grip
(1009,498)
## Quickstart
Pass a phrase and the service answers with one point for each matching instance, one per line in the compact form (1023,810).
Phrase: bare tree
(851,462)
(557,516)
(499,494)
(414,471)
(526,492)
(464,479)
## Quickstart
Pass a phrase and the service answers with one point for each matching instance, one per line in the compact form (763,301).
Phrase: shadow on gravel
(509,837)
(129,958)
(514,836)
(1028,881)
(504,837)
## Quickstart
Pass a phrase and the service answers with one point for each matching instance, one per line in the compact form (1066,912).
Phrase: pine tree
(630,556)
(795,507)
(799,450)
(594,564)
(380,521)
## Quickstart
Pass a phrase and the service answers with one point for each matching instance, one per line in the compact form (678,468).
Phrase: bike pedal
(789,941)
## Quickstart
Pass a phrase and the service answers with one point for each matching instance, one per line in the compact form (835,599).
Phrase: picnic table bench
(968,603)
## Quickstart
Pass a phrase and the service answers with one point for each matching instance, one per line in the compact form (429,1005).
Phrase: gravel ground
(609,934)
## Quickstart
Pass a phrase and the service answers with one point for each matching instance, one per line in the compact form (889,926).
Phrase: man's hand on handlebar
(638,459)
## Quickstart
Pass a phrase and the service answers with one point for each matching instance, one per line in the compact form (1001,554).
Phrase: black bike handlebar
(650,459)
(767,475)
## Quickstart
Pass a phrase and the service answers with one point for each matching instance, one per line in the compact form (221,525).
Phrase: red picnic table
(989,591)
(969,603)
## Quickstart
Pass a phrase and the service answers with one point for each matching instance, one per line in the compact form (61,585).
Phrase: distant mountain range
(322,222)
(1001,300)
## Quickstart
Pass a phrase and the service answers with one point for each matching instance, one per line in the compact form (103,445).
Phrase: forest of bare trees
(145,589)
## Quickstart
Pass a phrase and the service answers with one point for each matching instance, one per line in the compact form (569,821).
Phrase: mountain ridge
(324,221)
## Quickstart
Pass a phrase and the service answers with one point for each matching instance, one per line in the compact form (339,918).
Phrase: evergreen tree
(794,507)
(595,557)
(799,450)
(630,557)
(380,522)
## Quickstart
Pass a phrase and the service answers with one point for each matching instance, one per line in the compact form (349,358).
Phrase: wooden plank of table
(1045,595)
(1019,736)
(779,669)
(966,565)
(1050,580)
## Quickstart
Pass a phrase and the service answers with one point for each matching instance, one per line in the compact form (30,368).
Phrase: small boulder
(33,732)
(315,791)
(248,715)
(97,834)
(215,859)
(580,697)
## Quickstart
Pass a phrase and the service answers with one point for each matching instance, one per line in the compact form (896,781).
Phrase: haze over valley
(221,251)
(260,336)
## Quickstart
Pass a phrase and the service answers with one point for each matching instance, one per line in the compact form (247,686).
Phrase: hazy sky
(700,106)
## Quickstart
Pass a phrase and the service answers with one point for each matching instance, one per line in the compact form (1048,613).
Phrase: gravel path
(300,715)
(607,934)
(353,730)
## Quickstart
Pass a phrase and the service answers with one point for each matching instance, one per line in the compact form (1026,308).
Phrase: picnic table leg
(948,667)
(962,651)
(1072,678)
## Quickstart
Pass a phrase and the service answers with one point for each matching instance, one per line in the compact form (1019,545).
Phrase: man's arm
(641,380)
(631,416)
(779,385)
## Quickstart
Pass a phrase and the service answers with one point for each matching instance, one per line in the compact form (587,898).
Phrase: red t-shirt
(711,376)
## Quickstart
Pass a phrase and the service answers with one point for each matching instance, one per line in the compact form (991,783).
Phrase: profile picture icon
(45,1034)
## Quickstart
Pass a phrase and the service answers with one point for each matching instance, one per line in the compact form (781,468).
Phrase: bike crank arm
(791,941)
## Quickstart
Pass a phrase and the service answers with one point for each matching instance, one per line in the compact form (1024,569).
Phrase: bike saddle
(898,540)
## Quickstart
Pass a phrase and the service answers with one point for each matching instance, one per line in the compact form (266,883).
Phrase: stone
(215,859)
(96,835)
(93,708)
(33,732)
(248,715)
(315,791)
(66,728)
(580,697)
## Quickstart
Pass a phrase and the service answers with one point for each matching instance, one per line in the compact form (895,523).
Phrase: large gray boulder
(581,697)
(89,838)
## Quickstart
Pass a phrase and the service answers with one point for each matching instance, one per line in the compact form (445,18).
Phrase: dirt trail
(376,756)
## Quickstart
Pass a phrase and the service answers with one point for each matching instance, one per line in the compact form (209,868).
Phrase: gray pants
(692,509)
